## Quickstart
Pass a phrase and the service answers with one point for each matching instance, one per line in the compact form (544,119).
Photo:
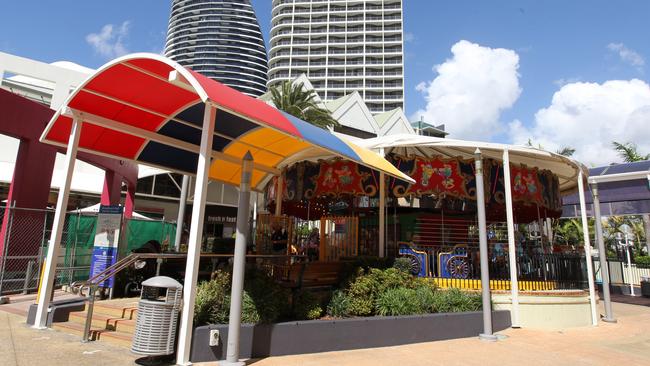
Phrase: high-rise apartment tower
(220,39)
(342,46)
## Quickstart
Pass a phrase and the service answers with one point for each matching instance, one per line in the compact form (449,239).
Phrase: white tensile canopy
(571,174)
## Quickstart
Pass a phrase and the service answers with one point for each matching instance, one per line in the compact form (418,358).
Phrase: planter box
(313,336)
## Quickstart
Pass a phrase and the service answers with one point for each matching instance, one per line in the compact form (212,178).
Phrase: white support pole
(382,212)
(239,264)
(181,213)
(49,273)
(483,250)
(585,231)
(196,236)
(278,195)
(602,256)
(512,253)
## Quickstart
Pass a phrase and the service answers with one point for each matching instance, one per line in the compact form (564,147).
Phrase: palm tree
(628,152)
(298,102)
(566,151)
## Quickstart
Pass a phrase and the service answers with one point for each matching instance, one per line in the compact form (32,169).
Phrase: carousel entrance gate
(339,237)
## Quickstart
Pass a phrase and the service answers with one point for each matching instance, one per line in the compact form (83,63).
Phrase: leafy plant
(366,288)
(398,301)
(339,305)
(643,260)
(306,306)
(454,300)
(403,264)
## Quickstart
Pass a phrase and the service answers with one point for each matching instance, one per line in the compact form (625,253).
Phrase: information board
(109,222)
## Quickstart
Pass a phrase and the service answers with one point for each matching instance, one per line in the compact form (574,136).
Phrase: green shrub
(339,306)
(425,296)
(270,299)
(212,300)
(398,301)
(263,300)
(351,267)
(642,260)
(454,300)
(306,306)
(403,264)
(365,289)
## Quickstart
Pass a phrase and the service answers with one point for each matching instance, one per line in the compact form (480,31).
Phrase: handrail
(93,282)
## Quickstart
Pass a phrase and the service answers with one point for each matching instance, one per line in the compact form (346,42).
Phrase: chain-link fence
(25,234)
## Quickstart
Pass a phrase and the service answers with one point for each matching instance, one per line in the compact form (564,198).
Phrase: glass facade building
(220,39)
(342,46)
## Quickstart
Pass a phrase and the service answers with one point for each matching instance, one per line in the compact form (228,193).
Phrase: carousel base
(550,310)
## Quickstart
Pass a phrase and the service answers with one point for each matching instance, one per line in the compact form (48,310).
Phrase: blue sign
(109,221)
(103,257)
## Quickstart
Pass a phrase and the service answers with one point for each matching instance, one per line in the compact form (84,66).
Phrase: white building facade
(342,46)
(220,39)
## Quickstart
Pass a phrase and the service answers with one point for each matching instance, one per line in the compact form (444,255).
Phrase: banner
(109,222)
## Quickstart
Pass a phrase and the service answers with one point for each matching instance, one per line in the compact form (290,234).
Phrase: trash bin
(645,286)
(157,319)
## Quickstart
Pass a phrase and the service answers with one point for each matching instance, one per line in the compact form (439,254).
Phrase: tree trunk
(646,226)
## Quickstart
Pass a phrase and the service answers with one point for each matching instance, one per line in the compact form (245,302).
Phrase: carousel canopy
(565,168)
(149,109)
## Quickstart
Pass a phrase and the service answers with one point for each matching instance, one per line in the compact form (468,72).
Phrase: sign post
(109,222)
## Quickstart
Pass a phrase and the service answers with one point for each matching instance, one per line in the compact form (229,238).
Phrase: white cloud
(562,81)
(627,55)
(588,117)
(409,37)
(471,90)
(109,42)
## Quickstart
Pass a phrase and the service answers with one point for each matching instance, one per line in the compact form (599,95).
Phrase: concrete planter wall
(552,310)
(265,340)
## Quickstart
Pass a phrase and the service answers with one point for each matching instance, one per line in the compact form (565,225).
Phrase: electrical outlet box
(214,337)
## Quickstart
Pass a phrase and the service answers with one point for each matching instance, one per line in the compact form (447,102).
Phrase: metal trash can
(645,286)
(157,319)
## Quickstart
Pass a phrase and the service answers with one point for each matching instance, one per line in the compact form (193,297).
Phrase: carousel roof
(149,109)
(564,167)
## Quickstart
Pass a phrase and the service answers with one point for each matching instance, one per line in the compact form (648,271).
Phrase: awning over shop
(149,109)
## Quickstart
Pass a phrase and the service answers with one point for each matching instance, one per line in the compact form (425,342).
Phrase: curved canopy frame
(149,109)
(565,168)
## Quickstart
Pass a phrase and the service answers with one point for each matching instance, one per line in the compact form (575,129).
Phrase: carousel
(336,210)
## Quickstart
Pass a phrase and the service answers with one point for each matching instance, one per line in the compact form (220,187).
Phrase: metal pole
(382,215)
(278,195)
(629,265)
(40,321)
(89,312)
(483,248)
(181,213)
(602,256)
(585,232)
(196,237)
(28,277)
(239,263)
(382,211)
(514,281)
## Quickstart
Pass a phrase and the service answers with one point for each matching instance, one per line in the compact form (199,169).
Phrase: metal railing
(92,285)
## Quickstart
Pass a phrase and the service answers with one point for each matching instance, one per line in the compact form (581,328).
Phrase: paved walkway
(624,343)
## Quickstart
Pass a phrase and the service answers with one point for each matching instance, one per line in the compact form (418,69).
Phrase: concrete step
(116,310)
(114,337)
(104,321)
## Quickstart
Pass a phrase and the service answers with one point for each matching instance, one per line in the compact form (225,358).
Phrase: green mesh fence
(80,238)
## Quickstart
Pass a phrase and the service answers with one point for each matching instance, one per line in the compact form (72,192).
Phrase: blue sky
(498,85)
